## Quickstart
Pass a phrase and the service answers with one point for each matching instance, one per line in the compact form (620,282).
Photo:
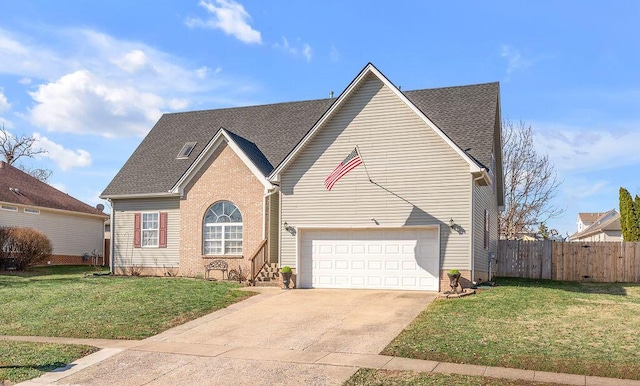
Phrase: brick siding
(223,177)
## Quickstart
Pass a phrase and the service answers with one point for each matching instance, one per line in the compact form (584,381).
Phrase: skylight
(186,150)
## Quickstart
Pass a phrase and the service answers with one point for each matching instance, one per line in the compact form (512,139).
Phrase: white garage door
(405,259)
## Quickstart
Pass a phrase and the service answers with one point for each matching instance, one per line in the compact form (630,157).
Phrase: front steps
(269,276)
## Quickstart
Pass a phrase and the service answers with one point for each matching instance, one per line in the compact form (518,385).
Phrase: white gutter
(111,239)
(269,193)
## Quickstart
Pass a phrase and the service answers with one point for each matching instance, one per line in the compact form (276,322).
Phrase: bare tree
(15,147)
(530,182)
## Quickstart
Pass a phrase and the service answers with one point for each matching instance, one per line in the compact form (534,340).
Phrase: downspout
(265,197)
(473,240)
(111,237)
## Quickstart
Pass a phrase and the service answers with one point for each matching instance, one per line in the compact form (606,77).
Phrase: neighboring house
(604,227)
(586,219)
(74,228)
(220,184)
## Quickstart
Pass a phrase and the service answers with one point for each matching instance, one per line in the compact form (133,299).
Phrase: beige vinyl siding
(484,198)
(274,225)
(69,234)
(124,254)
(421,179)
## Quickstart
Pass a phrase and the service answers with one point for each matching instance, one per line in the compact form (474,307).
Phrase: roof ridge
(459,86)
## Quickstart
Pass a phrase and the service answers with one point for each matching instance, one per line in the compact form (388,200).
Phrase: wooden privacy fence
(569,261)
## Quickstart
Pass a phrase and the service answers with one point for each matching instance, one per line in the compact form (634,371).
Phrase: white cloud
(285,46)
(306,51)
(202,72)
(65,158)
(25,81)
(132,61)
(82,103)
(28,61)
(515,60)
(230,17)
(104,86)
(586,149)
(334,54)
(4,103)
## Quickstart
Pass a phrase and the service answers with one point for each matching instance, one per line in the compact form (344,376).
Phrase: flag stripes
(344,167)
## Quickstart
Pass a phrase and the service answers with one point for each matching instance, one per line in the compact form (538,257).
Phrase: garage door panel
(388,258)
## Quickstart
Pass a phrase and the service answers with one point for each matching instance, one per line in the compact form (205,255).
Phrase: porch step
(268,275)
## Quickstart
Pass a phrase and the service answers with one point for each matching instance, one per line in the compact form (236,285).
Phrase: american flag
(352,160)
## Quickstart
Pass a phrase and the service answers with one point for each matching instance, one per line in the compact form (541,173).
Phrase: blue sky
(89,79)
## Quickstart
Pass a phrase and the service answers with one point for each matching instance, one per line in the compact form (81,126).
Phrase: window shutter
(162,241)
(137,222)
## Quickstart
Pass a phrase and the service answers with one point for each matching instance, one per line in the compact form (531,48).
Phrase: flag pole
(363,163)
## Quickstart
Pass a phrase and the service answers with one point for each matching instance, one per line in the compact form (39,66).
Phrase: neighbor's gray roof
(268,133)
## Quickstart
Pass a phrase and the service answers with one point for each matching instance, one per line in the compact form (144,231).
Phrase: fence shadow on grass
(618,289)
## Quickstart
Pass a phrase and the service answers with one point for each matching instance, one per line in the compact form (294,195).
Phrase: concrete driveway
(277,337)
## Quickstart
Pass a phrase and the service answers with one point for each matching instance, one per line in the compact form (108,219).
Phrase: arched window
(222,230)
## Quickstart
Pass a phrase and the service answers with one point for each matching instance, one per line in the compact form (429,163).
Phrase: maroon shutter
(137,221)
(162,241)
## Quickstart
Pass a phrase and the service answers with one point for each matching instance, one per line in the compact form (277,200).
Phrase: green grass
(63,301)
(21,361)
(587,328)
(369,377)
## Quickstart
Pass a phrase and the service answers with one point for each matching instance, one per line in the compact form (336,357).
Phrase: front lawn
(72,302)
(587,328)
(25,360)
(370,377)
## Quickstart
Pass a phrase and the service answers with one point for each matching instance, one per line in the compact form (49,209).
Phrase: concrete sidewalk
(346,361)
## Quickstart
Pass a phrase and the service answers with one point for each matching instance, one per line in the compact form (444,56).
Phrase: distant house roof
(18,187)
(589,218)
(606,221)
(268,133)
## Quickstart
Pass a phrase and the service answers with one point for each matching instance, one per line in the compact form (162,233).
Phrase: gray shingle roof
(268,133)
(18,187)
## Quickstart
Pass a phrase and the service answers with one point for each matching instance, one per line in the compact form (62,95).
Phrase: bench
(216,265)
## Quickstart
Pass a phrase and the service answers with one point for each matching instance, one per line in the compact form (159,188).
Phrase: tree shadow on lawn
(571,286)
(47,367)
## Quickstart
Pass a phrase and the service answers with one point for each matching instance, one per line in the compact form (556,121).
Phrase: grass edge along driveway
(21,361)
(578,328)
(70,301)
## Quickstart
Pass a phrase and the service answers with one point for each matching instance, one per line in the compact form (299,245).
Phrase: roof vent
(331,94)
(186,150)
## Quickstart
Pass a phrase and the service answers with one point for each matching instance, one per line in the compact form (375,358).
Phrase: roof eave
(65,211)
(137,195)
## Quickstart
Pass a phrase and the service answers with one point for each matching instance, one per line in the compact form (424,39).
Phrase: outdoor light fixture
(452,223)
(289,228)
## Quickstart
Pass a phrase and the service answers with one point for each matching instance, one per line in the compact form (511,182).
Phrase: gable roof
(606,221)
(245,150)
(589,217)
(267,134)
(18,187)
(423,102)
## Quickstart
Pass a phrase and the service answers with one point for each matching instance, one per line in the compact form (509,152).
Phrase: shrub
(4,247)
(27,246)
(454,272)
(286,269)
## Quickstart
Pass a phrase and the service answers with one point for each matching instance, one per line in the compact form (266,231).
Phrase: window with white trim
(150,229)
(31,211)
(222,230)
(9,208)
